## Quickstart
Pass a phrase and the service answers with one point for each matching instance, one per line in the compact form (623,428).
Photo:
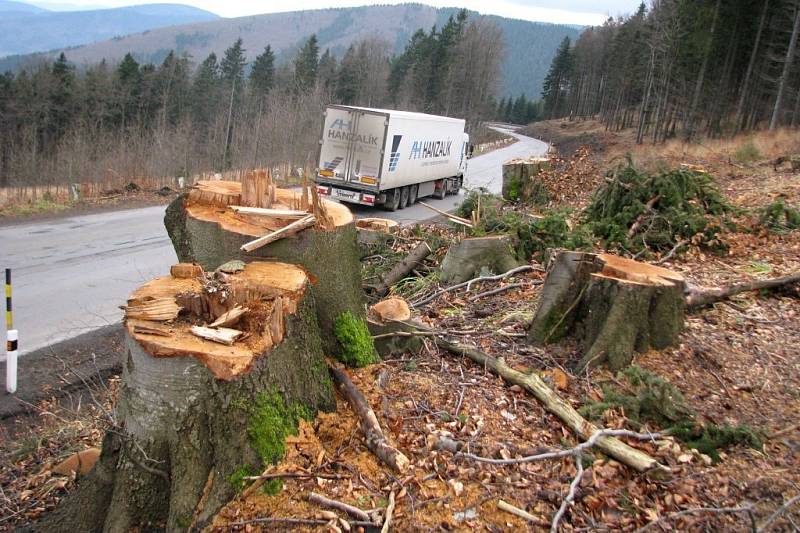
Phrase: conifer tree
(262,76)
(306,64)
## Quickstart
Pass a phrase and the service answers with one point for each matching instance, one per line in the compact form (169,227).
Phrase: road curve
(70,274)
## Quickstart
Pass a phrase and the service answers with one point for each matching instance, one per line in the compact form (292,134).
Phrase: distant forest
(683,68)
(61,124)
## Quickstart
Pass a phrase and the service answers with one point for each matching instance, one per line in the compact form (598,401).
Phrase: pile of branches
(635,210)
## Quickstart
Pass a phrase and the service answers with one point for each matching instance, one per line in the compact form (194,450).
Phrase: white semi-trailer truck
(389,158)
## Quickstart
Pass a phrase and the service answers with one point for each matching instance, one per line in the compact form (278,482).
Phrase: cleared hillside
(530,46)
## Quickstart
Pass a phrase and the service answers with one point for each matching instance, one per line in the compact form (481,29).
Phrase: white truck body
(375,156)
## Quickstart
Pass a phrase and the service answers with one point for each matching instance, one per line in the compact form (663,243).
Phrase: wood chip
(229,318)
(221,335)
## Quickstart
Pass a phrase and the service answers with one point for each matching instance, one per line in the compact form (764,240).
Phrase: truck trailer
(389,158)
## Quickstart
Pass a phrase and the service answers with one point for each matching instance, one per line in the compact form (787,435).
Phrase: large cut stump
(466,259)
(520,181)
(614,306)
(193,412)
(206,230)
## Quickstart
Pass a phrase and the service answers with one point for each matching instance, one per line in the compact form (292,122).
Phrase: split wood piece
(154,308)
(401,269)
(257,189)
(211,236)
(144,330)
(355,512)
(81,462)
(698,298)
(273,213)
(224,336)
(270,292)
(612,305)
(287,231)
(320,211)
(229,318)
(376,441)
(216,193)
(449,216)
(153,467)
(186,270)
(611,446)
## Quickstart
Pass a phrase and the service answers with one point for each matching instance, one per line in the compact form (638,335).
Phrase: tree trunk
(701,76)
(204,231)
(748,75)
(614,306)
(787,67)
(192,413)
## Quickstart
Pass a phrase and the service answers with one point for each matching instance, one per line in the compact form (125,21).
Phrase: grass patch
(39,206)
(747,152)
(357,347)
(651,399)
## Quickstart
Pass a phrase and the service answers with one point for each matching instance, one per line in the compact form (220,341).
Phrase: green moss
(356,345)
(183,521)
(271,420)
(237,478)
(272,487)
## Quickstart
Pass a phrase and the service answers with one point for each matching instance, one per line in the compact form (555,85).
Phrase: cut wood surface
(698,297)
(614,306)
(154,308)
(390,309)
(553,403)
(384,225)
(376,441)
(266,290)
(401,269)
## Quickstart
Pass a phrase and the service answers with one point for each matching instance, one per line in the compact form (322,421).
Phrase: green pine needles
(357,347)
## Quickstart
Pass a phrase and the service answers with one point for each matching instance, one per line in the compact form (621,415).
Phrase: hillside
(530,46)
(25,28)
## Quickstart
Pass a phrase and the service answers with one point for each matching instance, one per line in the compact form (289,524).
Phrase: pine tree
(129,90)
(262,76)
(347,81)
(205,91)
(61,105)
(557,81)
(306,64)
(326,71)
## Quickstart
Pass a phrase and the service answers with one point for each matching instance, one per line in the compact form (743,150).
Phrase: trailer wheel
(392,200)
(404,195)
(439,194)
(412,194)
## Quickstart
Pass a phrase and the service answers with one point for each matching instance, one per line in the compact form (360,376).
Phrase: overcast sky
(583,12)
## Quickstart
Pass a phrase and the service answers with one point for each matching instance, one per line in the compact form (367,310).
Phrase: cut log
(401,269)
(466,259)
(211,236)
(613,306)
(698,298)
(376,441)
(186,270)
(553,403)
(520,183)
(188,407)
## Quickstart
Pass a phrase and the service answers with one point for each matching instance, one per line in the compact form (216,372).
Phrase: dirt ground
(738,363)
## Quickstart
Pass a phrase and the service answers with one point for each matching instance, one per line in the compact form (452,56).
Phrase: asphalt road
(70,274)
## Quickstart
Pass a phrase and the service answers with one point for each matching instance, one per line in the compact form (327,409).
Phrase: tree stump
(613,306)
(204,230)
(385,319)
(520,183)
(192,413)
(465,260)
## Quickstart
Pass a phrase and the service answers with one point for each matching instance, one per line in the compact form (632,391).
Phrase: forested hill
(684,69)
(25,28)
(529,46)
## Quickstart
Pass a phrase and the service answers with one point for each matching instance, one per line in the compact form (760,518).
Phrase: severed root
(697,298)
(376,441)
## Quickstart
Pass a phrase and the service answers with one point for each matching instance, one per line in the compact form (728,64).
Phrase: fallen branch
(295,227)
(401,269)
(638,222)
(609,445)
(669,255)
(498,290)
(516,511)
(355,512)
(376,441)
(774,516)
(454,218)
(576,481)
(699,510)
(697,298)
(389,510)
(524,268)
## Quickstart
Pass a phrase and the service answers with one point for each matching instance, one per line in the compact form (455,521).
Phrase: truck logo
(331,165)
(340,124)
(429,149)
(394,156)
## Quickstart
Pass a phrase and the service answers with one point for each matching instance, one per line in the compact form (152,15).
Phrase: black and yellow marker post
(11,341)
